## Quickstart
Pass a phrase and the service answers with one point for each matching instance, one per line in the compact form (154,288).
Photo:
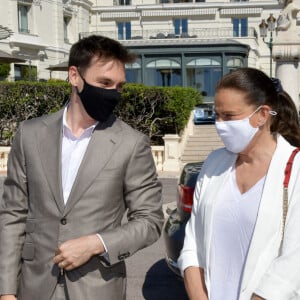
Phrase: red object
(186,194)
(288,168)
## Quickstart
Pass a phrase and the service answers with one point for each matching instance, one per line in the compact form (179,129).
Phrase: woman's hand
(195,284)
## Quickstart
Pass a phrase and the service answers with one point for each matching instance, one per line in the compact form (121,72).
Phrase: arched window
(203,74)
(163,63)
(163,72)
(235,62)
(205,61)
(133,72)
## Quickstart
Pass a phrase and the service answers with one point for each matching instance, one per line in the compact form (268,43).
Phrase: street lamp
(264,27)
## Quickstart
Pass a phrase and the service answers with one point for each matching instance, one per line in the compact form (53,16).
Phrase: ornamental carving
(288,17)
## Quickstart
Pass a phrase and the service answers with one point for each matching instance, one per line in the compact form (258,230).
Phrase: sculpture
(288,17)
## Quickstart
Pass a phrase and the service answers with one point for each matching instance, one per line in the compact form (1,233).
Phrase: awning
(6,58)
(179,12)
(243,11)
(120,15)
(63,66)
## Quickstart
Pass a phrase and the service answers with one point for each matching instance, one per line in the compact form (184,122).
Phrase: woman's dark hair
(84,50)
(261,90)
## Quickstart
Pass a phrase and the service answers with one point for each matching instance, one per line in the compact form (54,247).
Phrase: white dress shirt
(73,150)
(234,219)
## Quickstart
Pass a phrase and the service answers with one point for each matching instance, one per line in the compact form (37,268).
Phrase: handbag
(285,202)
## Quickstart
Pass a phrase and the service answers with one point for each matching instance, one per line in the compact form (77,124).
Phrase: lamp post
(264,27)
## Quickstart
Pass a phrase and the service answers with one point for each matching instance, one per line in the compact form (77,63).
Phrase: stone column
(172,153)
(288,73)
(286,49)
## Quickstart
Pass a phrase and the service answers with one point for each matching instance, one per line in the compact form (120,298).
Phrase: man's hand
(8,297)
(74,253)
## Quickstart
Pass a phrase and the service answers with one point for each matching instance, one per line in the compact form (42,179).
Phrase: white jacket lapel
(267,232)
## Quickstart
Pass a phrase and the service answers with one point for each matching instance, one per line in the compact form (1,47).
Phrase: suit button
(123,256)
(63,221)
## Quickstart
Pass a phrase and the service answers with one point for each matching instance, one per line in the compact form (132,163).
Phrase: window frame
(124,30)
(23,19)
(66,22)
(180,25)
(240,27)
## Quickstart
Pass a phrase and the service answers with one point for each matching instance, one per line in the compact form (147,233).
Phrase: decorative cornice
(286,52)
(84,3)
(5,32)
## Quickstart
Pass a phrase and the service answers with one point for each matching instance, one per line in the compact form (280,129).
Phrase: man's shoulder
(127,129)
(44,119)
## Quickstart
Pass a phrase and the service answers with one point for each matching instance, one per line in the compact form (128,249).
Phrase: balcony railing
(4,151)
(204,33)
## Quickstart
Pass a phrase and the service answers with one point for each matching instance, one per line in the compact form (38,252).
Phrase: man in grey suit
(71,177)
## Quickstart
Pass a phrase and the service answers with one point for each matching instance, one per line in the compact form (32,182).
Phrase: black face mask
(98,102)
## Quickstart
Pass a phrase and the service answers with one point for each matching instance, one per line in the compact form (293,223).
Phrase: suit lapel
(103,143)
(49,145)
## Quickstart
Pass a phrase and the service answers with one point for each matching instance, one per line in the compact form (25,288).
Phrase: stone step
(196,151)
(188,159)
(198,146)
(204,129)
(209,137)
(205,133)
(199,126)
(203,142)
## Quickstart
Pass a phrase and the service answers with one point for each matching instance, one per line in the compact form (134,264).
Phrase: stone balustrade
(148,36)
(4,151)
(166,158)
(158,156)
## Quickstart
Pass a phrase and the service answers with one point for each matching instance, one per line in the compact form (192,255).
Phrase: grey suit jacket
(117,173)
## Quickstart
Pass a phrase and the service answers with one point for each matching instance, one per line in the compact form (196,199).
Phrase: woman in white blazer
(234,246)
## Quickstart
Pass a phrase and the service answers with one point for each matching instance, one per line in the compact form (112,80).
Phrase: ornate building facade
(178,42)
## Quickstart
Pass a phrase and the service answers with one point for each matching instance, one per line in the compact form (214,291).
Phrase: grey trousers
(60,292)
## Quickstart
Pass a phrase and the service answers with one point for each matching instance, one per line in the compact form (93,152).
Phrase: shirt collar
(67,132)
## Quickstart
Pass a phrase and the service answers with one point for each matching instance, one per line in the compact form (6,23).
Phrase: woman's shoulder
(220,154)
(218,160)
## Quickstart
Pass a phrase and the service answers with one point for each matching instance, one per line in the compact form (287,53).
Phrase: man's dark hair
(84,50)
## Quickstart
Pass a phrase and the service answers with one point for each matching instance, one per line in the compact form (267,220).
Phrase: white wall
(47,26)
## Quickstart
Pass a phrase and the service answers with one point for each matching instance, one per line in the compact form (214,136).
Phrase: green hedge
(157,111)
(25,100)
(4,71)
(153,110)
